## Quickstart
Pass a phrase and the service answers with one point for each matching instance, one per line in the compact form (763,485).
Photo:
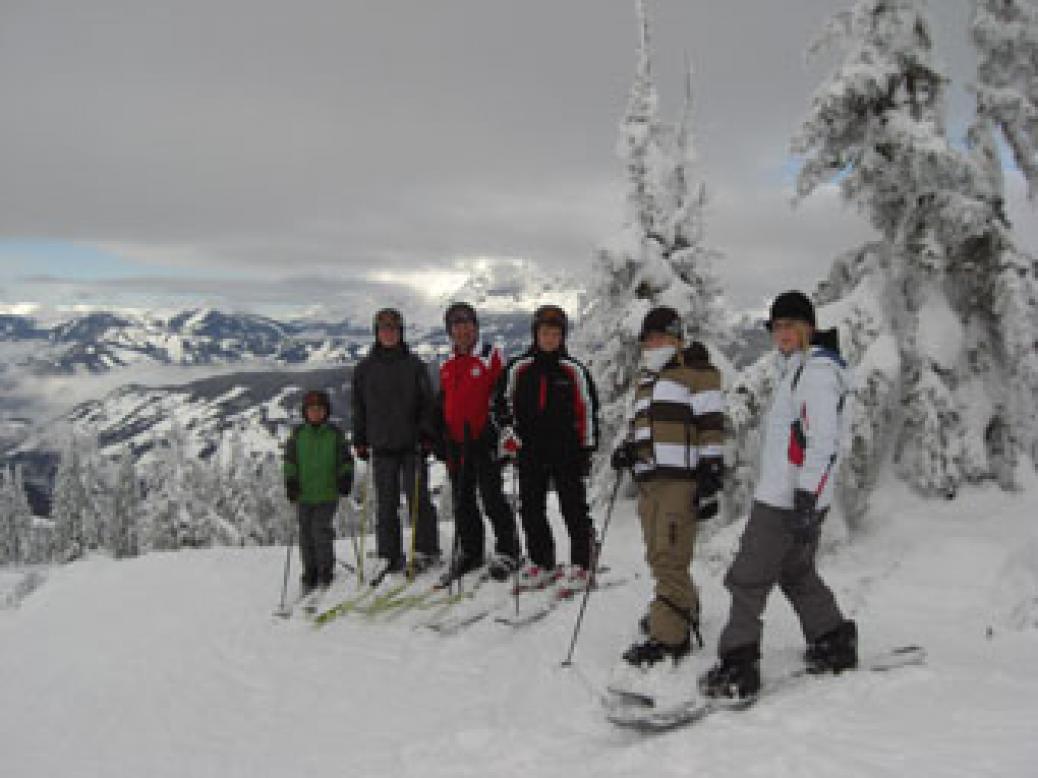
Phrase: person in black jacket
(392,426)
(547,409)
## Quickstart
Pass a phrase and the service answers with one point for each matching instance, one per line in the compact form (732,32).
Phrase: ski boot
(460,566)
(835,651)
(533,577)
(423,561)
(501,566)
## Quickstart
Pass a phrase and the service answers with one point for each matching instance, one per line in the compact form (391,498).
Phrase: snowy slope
(171,665)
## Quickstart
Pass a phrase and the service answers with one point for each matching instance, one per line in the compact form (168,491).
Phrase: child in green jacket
(318,469)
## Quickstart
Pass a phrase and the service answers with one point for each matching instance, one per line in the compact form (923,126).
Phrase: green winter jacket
(319,459)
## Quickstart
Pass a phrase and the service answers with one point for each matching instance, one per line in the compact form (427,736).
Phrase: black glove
(804,521)
(709,481)
(623,457)
(584,463)
(292,489)
(345,483)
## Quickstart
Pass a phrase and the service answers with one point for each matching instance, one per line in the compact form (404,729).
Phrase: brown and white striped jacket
(678,416)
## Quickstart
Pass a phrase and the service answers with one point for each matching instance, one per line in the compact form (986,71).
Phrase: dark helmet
(459,312)
(792,305)
(389,317)
(550,315)
(317,397)
(662,319)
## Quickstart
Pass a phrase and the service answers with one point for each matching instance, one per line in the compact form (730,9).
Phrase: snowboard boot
(835,651)
(735,677)
(651,652)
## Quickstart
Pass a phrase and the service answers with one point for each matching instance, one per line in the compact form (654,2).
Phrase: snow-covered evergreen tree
(919,311)
(274,520)
(15,518)
(1005,33)
(95,477)
(124,539)
(69,503)
(181,497)
(659,257)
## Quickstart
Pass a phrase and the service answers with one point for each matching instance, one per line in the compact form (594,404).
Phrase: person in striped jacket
(673,447)
(547,410)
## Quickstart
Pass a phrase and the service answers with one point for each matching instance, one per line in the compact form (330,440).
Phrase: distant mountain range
(257,404)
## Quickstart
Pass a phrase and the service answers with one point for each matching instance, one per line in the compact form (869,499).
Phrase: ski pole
(517,506)
(568,661)
(283,610)
(415,493)
(369,479)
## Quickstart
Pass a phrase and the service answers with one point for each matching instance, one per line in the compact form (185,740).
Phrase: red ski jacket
(467,383)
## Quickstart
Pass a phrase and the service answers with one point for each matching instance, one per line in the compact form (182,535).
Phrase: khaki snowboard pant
(669,530)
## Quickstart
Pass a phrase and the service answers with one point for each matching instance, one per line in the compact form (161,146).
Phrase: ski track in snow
(172,665)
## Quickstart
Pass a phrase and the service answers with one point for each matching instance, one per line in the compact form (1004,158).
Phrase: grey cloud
(335,137)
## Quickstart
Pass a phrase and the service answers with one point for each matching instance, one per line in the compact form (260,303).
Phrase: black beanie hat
(662,319)
(317,397)
(456,311)
(388,316)
(552,316)
(792,305)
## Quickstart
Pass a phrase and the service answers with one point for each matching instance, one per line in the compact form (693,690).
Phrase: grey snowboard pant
(317,541)
(768,555)
(391,471)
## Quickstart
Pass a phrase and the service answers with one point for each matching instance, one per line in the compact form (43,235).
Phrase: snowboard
(634,710)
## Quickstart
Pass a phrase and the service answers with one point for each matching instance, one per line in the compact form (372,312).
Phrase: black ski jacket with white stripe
(549,399)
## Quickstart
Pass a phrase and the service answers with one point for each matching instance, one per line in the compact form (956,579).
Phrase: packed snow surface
(173,665)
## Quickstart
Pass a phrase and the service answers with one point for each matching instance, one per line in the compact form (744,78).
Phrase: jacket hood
(378,350)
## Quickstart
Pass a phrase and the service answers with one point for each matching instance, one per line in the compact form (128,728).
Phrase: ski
(346,606)
(462,608)
(636,710)
(538,603)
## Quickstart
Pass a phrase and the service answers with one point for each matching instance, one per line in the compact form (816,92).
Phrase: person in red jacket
(469,444)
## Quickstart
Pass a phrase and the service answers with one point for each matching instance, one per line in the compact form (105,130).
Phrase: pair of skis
(633,709)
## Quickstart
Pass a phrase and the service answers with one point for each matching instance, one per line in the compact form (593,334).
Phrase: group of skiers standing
(540,412)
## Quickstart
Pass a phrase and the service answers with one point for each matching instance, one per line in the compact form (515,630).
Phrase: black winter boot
(834,651)
(735,677)
(653,651)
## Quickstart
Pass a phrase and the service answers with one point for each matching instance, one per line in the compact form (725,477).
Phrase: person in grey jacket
(392,427)
(799,455)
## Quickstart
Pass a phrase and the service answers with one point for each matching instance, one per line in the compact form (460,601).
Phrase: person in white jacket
(798,463)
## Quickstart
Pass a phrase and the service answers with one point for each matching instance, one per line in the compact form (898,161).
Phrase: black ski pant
(477,470)
(534,479)
(393,470)
(317,541)
(769,555)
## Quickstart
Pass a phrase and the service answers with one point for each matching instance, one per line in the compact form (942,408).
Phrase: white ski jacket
(803,428)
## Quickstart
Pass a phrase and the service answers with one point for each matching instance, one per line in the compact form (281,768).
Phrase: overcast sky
(284,157)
